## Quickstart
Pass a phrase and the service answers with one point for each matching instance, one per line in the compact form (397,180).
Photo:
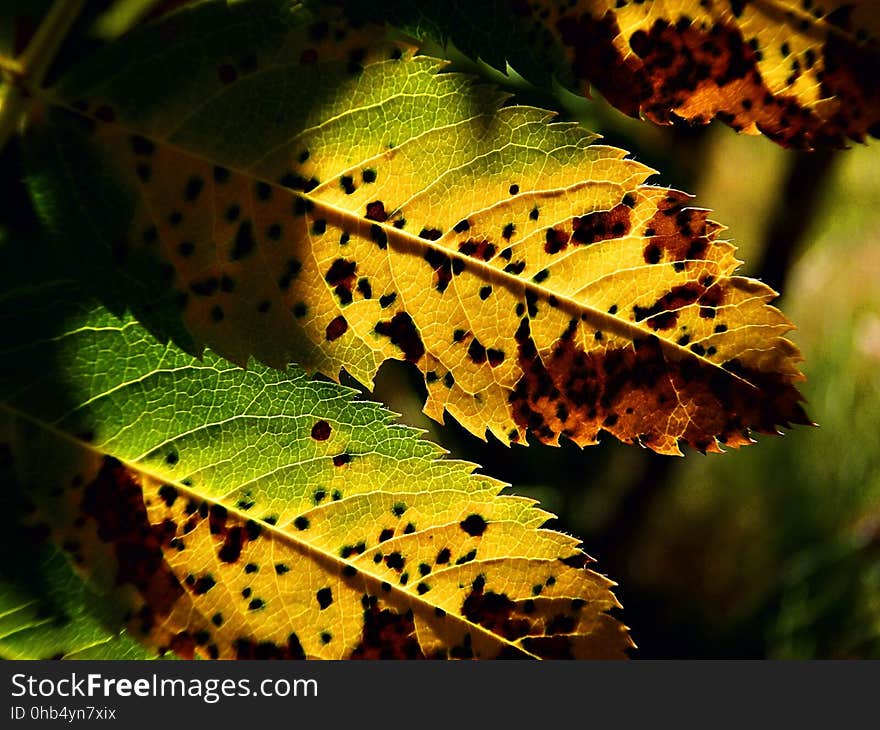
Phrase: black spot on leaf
(474,525)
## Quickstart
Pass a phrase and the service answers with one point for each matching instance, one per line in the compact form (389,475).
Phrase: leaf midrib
(318,555)
(628,330)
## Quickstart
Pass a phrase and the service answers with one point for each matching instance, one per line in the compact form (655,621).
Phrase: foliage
(231,188)
(801,72)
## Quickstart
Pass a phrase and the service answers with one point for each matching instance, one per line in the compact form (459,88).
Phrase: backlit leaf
(258,514)
(803,72)
(65,624)
(304,192)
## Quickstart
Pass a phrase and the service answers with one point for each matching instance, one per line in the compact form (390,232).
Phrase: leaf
(258,514)
(66,627)
(802,76)
(803,72)
(306,193)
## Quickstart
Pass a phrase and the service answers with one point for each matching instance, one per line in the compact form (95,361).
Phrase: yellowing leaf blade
(803,72)
(533,278)
(258,514)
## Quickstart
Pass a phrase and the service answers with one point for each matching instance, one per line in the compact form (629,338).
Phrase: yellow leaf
(803,72)
(259,514)
(323,197)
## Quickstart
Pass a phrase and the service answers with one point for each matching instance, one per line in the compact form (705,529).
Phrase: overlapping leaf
(46,610)
(65,624)
(258,514)
(303,192)
(803,72)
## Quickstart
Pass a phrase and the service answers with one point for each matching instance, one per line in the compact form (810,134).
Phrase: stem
(30,68)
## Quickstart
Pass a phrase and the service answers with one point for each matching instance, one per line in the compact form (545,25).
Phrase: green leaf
(63,620)
(232,513)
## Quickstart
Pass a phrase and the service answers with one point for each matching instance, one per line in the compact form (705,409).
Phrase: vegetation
(214,211)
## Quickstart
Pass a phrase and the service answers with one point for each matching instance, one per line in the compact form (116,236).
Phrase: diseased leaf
(66,626)
(803,72)
(258,514)
(303,192)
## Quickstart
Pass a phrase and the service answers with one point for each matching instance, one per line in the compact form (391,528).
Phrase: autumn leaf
(258,514)
(802,72)
(295,190)
(64,621)
(46,610)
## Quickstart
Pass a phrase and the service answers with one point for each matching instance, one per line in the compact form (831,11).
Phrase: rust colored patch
(321,431)
(403,332)
(641,395)
(662,314)
(388,635)
(183,644)
(679,70)
(601,225)
(341,273)
(376,211)
(556,240)
(217,519)
(336,328)
(250,649)
(442,266)
(496,612)
(677,233)
(711,299)
(482,249)
(597,59)
(114,500)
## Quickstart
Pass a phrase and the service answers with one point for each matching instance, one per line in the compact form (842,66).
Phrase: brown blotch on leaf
(482,249)
(376,211)
(387,635)
(442,265)
(496,612)
(672,64)
(556,240)
(402,331)
(602,225)
(662,314)
(678,233)
(337,327)
(341,275)
(114,500)
(321,431)
(640,394)
(250,649)
(217,519)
